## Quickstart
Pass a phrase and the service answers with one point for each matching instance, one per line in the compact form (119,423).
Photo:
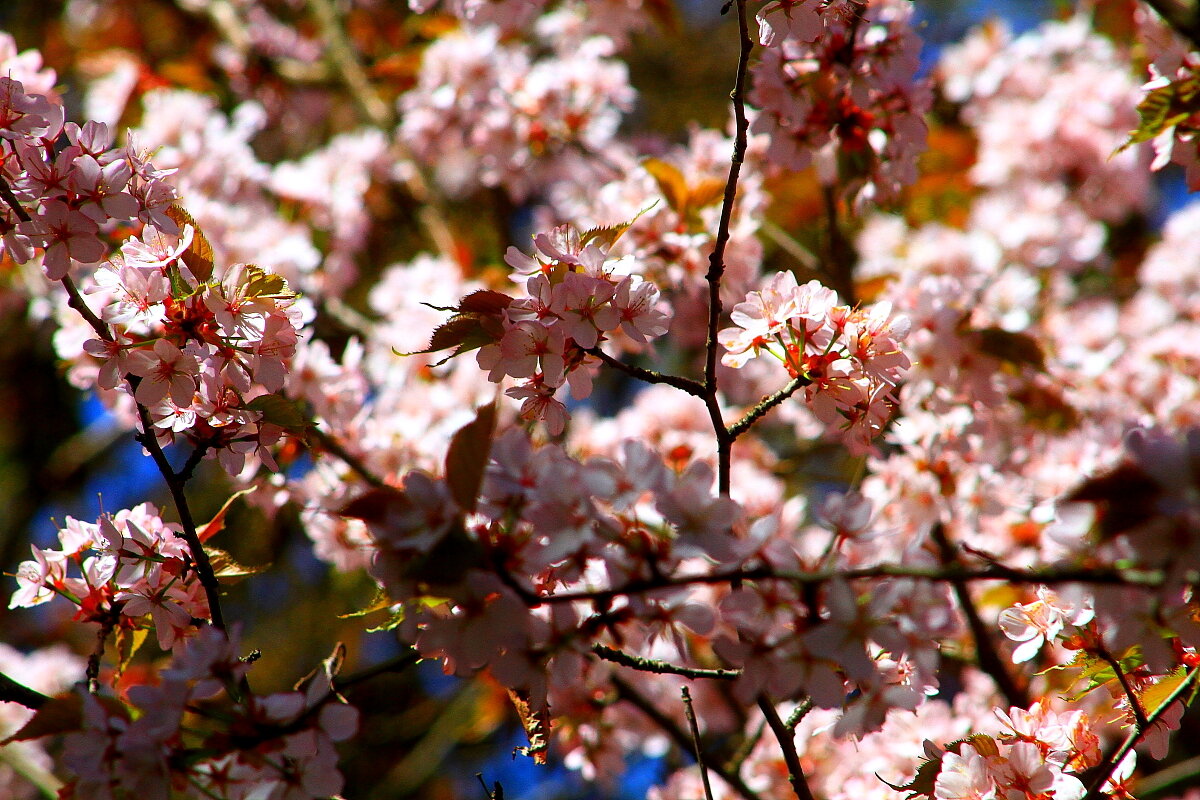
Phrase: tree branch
(985,649)
(660,667)
(1109,764)
(626,692)
(694,388)
(742,425)
(787,744)
(13,692)
(716,261)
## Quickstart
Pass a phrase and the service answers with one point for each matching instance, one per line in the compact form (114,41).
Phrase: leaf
(670,182)
(229,571)
(923,782)
(217,523)
(279,410)
(1097,672)
(606,236)
(1020,349)
(1163,108)
(467,457)
(536,724)
(61,714)
(705,193)
(199,256)
(394,620)
(378,603)
(257,282)
(484,301)
(129,641)
(1155,695)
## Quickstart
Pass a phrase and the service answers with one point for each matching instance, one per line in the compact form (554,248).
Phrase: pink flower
(65,235)
(164,370)
(964,777)
(798,19)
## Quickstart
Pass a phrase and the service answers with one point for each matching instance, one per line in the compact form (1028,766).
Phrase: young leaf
(467,457)
(279,410)
(670,182)
(257,282)
(199,255)
(129,641)
(217,523)
(229,571)
(536,723)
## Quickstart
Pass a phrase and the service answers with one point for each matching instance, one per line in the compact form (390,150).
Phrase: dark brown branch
(985,649)
(716,261)
(690,713)
(335,448)
(787,744)
(694,388)
(13,692)
(626,692)
(396,664)
(1135,705)
(994,572)
(1110,763)
(660,667)
(742,425)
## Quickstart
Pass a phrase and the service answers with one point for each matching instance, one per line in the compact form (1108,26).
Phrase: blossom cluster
(837,86)
(130,565)
(576,298)
(849,359)
(486,113)
(175,735)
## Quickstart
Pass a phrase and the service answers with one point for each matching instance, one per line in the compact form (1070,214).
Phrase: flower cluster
(576,298)
(176,733)
(131,565)
(201,355)
(61,200)
(487,113)
(840,88)
(849,359)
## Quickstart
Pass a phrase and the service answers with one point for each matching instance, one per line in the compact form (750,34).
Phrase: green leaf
(394,620)
(467,457)
(378,603)
(923,782)
(606,236)
(1155,695)
(257,282)
(1163,108)
(279,410)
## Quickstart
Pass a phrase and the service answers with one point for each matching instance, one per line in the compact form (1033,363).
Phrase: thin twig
(335,448)
(1135,705)
(694,388)
(694,727)
(1112,761)
(798,714)
(626,692)
(985,649)
(742,425)
(1149,580)
(661,667)
(343,55)
(396,664)
(787,744)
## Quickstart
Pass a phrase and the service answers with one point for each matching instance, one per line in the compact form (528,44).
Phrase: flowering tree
(892,457)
